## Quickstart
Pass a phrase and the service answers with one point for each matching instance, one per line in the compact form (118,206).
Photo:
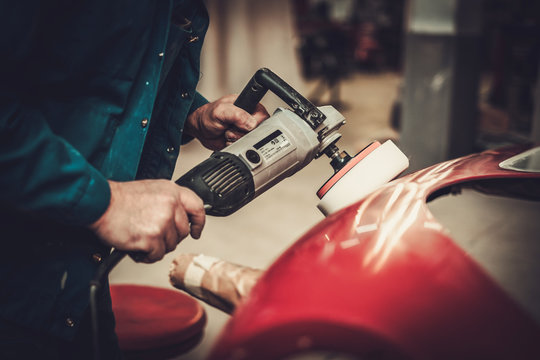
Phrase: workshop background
(441,78)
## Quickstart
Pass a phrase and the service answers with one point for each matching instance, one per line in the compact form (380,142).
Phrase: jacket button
(192,39)
(170,149)
(160,55)
(144,122)
(97,258)
(70,322)
(184,95)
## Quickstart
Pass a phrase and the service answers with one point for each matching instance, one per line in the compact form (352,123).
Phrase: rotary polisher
(279,147)
(282,145)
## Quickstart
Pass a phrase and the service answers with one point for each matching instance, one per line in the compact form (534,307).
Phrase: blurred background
(441,78)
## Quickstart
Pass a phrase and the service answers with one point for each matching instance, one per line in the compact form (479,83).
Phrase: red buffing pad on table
(151,317)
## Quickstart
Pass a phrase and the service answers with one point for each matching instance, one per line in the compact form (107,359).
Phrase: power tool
(279,147)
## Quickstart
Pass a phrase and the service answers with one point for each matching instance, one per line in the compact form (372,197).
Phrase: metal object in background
(441,80)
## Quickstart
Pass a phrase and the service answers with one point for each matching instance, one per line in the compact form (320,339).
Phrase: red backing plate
(355,160)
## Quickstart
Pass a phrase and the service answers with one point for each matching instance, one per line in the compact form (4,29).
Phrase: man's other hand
(220,123)
(150,217)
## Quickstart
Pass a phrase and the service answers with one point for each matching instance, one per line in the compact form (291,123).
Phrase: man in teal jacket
(96,98)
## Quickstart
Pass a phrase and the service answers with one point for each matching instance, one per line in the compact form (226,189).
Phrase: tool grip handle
(252,93)
(264,80)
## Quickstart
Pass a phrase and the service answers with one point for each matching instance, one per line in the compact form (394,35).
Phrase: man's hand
(220,123)
(150,216)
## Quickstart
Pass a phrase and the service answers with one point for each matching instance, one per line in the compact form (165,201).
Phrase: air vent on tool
(224,178)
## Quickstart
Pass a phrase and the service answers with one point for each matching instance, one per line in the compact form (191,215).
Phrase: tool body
(279,147)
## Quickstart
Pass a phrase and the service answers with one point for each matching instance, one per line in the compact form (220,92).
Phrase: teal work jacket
(90,90)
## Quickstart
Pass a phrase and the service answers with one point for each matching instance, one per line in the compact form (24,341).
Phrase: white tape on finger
(204,261)
(195,273)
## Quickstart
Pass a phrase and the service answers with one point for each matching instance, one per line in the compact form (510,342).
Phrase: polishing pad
(371,168)
(149,318)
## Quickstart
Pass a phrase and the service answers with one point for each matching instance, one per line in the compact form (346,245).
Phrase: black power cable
(95,285)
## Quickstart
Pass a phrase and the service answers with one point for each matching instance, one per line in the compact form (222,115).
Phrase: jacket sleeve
(41,173)
(45,175)
(198,101)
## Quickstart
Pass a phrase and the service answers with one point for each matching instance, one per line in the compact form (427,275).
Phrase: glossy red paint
(383,278)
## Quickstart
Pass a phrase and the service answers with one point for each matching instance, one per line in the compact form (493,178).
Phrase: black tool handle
(253,92)
(264,80)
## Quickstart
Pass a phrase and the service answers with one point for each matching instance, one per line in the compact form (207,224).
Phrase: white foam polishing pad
(371,168)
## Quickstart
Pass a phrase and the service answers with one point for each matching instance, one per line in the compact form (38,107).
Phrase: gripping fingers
(156,254)
(260,113)
(197,225)
(231,135)
(172,237)
(197,217)
(194,211)
(182,224)
(235,117)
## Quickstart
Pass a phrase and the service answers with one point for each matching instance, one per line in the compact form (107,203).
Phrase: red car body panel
(383,278)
